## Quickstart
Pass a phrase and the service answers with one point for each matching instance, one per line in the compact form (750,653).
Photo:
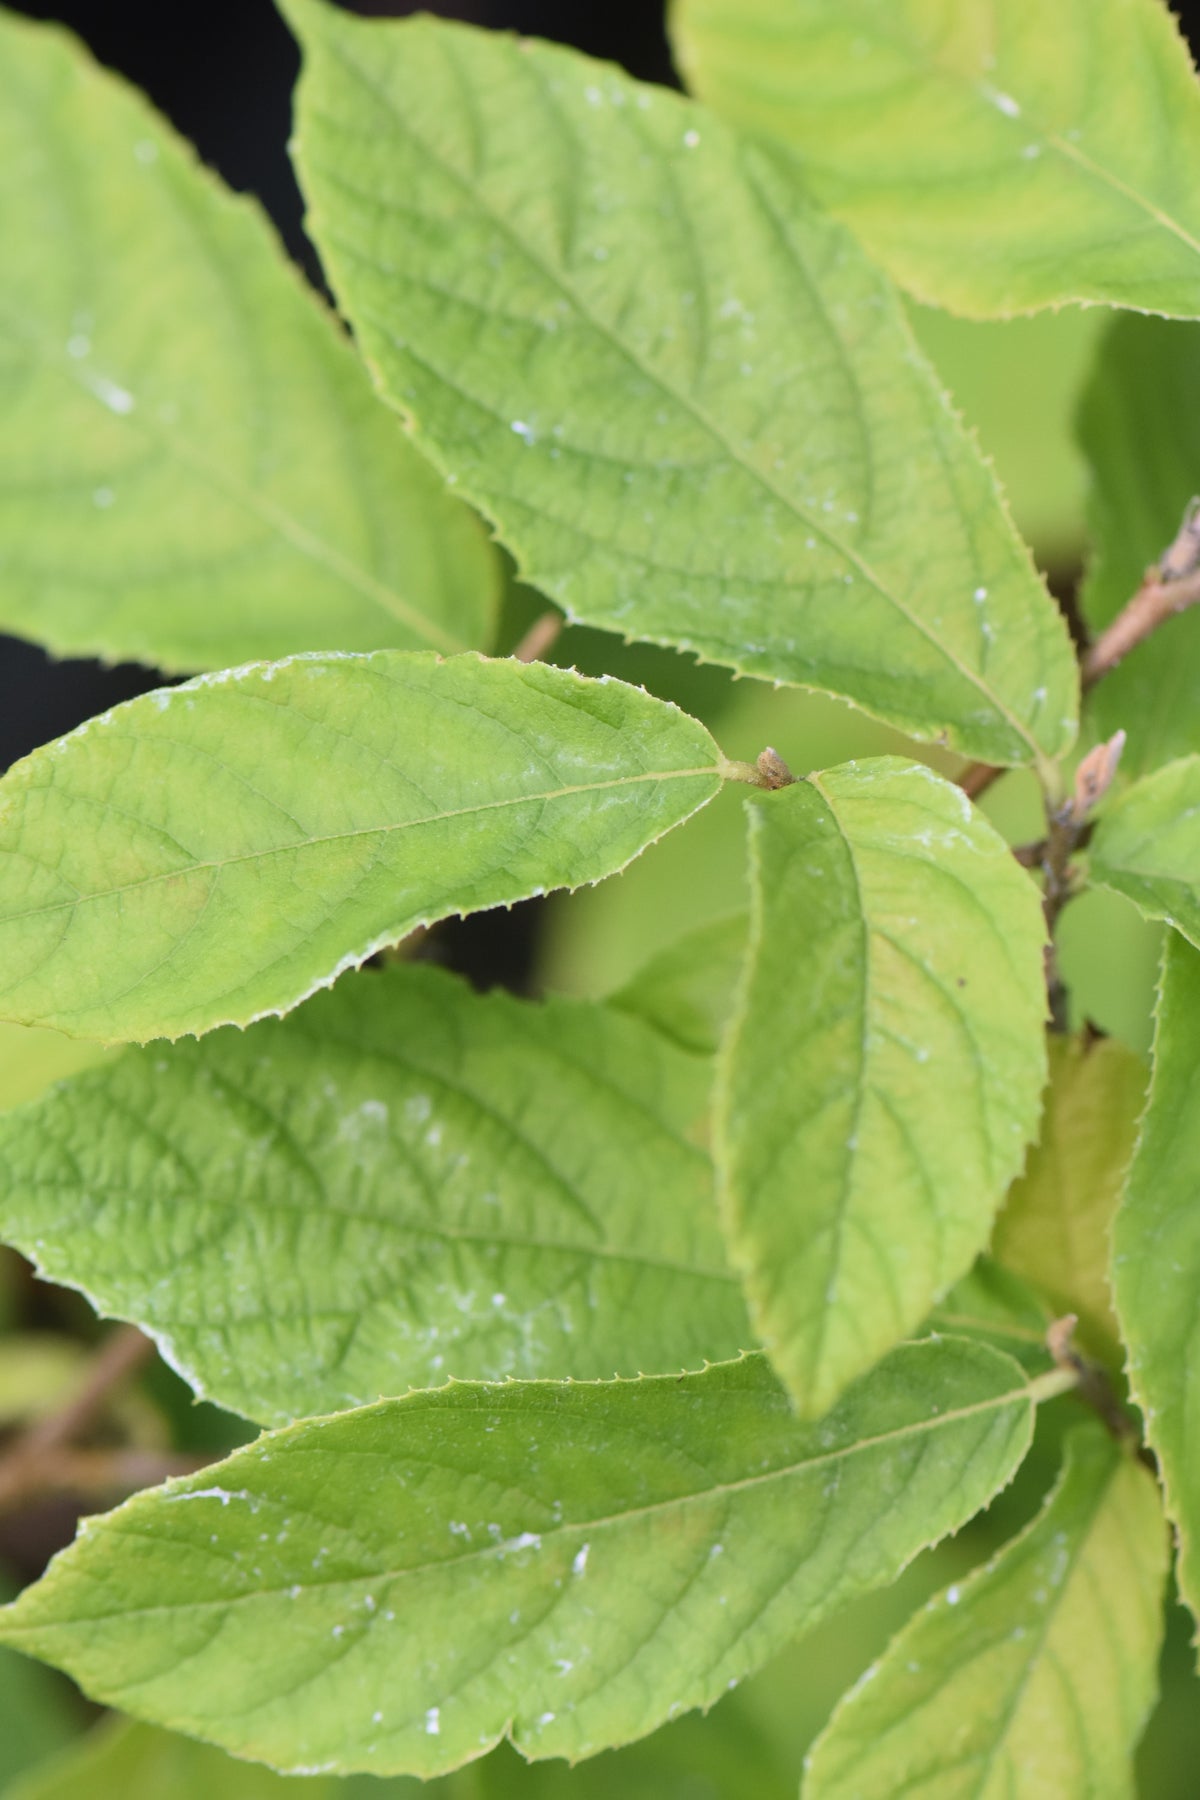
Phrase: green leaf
(993,1306)
(213,852)
(1147,846)
(194,469)
(402,1182)
(395,1589)
(686,991)
(884,1068)
(1055,1226)
(1037,1674)
(1156,1255)
(693,410)
(995,157)
(1139,426)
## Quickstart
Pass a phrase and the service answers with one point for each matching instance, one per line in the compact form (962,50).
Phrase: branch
(769,771)
(540,637)
(43,1460)
(1067,829)
(1170,586)
(120,1355)
(978,777)
(1093,1384)
(1158,599)
(100,1476)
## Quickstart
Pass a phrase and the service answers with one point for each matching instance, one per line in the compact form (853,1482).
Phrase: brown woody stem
(540,637)
(1170,587)
(42,1460)
(1157,600)
(1092,1383)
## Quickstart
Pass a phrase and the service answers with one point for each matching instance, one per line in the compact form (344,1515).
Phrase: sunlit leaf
(995,155)
(396,1588)
(1035,1676)
(212,853)
(401,1182)
(692,408)
(193,469)
(883,1071)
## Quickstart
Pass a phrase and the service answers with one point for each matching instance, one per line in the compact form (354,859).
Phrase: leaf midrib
(811,522)
(832,1314)
(242,1210)
(340,837)
(1017,1396)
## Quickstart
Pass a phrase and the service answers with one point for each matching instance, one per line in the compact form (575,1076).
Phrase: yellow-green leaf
(883,1070)
(212,853)
(1034,1677)
(193,470)
(394,1589)
(402,1182)
(995,155)
(691,406)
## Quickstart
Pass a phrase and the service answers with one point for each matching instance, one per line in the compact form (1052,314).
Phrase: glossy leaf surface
(403,1181)
(691,407)
(995,155)
(584,1561)
(214,852)
(1156,1255)
(194,469)
(883,1071)
(1033,1677)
